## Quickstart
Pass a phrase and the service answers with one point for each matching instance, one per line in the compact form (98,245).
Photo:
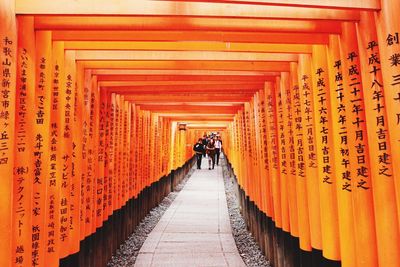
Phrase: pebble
(247,246)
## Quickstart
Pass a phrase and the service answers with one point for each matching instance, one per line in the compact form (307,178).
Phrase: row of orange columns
(317,150)
(71,152)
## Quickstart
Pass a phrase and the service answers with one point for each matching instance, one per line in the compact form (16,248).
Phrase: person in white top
(218,148)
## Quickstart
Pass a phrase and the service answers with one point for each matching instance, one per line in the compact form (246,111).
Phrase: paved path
(195,230)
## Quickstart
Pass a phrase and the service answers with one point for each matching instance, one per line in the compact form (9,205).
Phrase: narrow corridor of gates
(101,104)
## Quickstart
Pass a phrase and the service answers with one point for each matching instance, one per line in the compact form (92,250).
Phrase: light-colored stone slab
(234,260)
(184,247)
(144,260)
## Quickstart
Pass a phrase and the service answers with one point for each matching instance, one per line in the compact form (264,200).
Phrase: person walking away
(204,142)
(218,147)
(199,149)
(210,150)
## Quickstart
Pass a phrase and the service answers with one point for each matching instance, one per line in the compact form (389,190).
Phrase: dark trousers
(198,156)
(217,152)
(211,160)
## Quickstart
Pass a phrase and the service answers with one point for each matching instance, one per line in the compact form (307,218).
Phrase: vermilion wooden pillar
(245,127)
(376,112)
(299,160)
(358,137)
(132,159)
(69,157)
(273,153)
(286,96)
(42,142)
(341,147)
(97,178)
(254,175)
(76,170)
(82,136)
(24,144)
(86,156)
(54,172)
(111,154)
(8,37)
(324,145)
(308,114)
(263,146)
(388,31)
(101,192)
(283,155)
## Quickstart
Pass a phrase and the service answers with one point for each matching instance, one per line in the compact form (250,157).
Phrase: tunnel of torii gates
(100,101)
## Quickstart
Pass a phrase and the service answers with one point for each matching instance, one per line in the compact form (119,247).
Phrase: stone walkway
(195,230)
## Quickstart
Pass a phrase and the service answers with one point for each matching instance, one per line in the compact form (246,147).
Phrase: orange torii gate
(305,94)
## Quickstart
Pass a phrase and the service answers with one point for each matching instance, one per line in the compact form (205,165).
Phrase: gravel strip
(247,246)
(127,253)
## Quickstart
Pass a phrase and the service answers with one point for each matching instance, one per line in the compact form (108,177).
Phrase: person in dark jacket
(210,150)
(204,142)
(199,149)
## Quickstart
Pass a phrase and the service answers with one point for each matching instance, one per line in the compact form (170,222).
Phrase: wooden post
(87,156)
(286,95)
(54,174)
(42,143)
(273,153)
(324,144)
(76,164)
(375,112)
(8,38)
(24,145)
(388,31)
(310,150)
(283,155)
(299,160)
(265,161)
(341,147)
(69,180)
